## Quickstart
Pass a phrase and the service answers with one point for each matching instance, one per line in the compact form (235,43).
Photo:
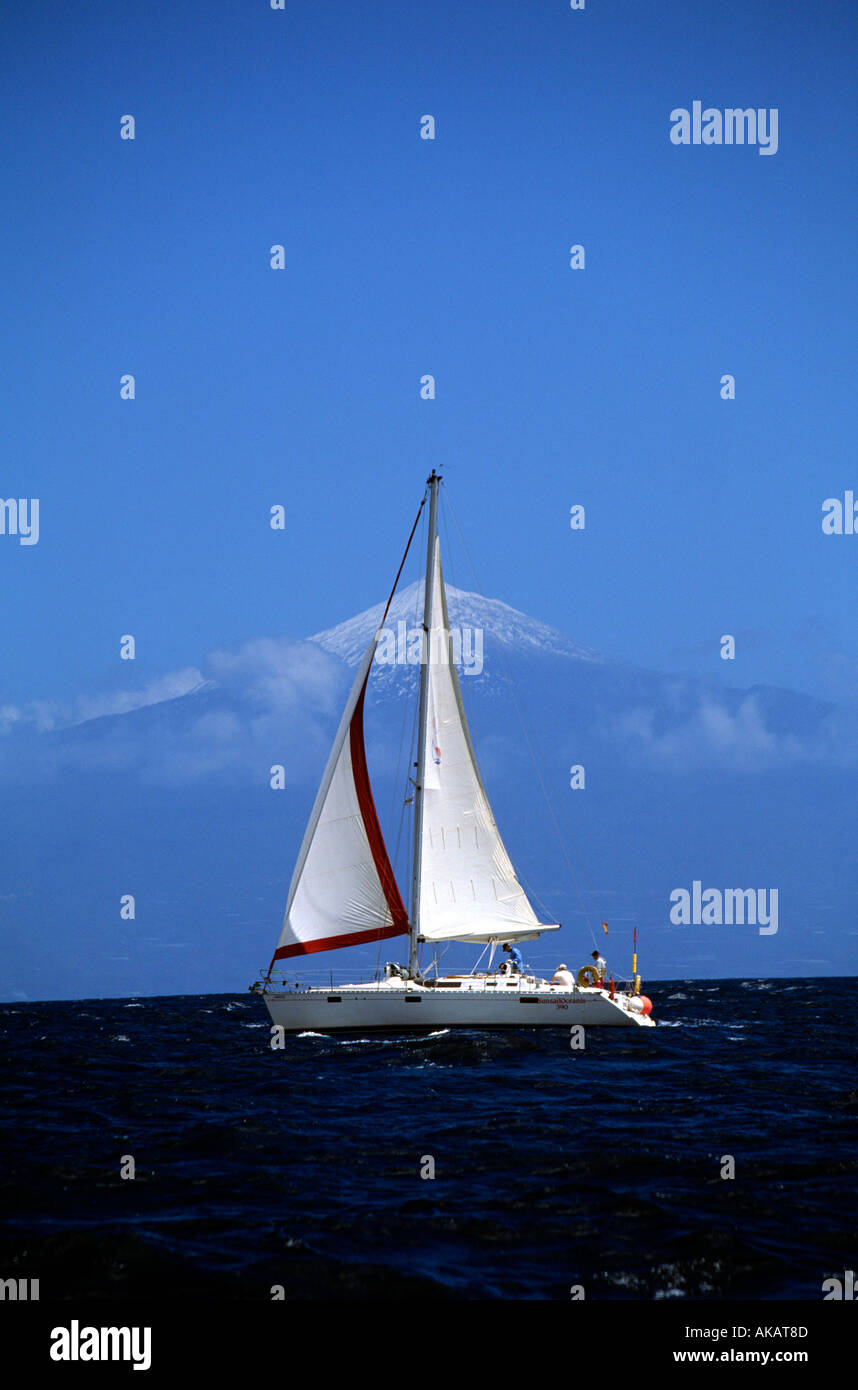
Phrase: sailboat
(344,892)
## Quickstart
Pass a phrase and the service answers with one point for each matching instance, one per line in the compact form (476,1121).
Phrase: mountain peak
(499,623)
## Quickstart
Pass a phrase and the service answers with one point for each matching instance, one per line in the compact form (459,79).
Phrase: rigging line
(405,708)
(411,751)
(442,948)
(409,820)
(534,896)
(434,962)
(404,558)
(412,701)
(398,772)
(513,686)
(473,969)
(384,619)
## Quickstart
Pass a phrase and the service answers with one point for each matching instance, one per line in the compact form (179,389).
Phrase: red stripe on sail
(380,858)
(334,943)
(366,805)
(383,866)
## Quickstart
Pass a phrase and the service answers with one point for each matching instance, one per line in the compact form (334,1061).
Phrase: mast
(420,765)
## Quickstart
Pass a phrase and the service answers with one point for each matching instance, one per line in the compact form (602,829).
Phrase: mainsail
(343,890)
(468,887)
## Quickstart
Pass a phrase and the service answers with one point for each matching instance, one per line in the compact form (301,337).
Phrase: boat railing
(274,980)
(291,981)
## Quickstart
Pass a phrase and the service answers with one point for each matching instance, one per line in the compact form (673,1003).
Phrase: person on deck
(601,965)
(515,961)
(562,976)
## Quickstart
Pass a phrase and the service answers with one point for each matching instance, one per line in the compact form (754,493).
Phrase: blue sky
(405,256)
(554,387)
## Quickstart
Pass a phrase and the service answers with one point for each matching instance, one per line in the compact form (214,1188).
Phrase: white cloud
(278,674)
(45,715)
(741,740)
(269,701)
(9,716)
(168,687)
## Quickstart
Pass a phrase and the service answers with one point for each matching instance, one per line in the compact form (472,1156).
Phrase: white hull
(455,1003)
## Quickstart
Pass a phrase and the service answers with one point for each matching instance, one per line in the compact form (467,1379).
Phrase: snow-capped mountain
(497,621)
(170,799)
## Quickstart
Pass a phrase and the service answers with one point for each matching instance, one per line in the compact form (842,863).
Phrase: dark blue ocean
(553,1167)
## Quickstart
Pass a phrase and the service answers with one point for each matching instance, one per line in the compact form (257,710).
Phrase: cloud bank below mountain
(277,701)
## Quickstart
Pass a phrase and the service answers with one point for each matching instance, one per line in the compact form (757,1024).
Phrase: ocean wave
(244,1163)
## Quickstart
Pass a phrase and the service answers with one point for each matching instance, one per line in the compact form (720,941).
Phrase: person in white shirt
(562,976)
(601,965)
